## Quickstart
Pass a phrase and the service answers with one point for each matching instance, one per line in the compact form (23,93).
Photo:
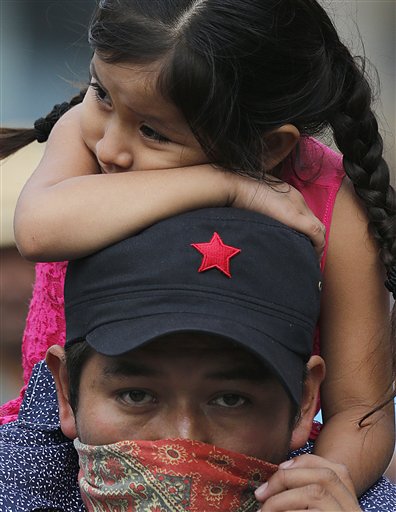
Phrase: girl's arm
(67,210)
(356,346)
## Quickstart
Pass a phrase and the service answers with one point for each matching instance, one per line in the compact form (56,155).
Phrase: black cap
(222,271)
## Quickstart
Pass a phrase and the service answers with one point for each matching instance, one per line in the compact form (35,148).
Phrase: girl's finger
(311,461)
(312,497)
(316,485)
(280,201)
(310,226)
(288,206)
(315,461)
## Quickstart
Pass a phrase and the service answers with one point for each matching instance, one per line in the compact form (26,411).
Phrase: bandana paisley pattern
(175,475)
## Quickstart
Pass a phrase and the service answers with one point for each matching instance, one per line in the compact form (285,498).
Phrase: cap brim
(119,337)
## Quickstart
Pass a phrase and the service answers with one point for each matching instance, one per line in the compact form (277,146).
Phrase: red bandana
(216,254)
(175,475)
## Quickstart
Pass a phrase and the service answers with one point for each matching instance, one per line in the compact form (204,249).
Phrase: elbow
(31,253)
(38,226)
(30,249)
(30,243)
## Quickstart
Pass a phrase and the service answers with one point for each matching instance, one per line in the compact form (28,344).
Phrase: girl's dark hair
(13,139)
(237,69)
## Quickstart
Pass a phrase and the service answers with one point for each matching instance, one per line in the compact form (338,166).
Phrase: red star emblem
(216,254)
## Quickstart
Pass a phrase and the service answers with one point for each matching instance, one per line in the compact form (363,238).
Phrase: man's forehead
(194,340)
(222,357)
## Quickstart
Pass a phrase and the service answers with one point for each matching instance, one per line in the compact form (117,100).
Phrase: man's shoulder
(381,497)
(40,404)
(38,464)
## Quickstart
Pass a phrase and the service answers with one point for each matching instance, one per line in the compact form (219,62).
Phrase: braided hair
(356,134)
(13,139)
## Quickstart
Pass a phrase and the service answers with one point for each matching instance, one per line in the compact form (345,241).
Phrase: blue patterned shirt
(39,465)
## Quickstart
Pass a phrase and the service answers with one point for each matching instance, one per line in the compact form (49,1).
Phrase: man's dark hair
(77,356)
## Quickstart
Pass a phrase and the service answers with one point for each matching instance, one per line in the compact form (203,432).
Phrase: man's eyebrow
(248,373)
(123,368)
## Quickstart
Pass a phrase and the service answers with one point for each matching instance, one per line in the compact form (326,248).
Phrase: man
(185,381)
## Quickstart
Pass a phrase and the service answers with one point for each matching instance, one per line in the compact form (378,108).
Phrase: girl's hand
(280,201)
(308,482)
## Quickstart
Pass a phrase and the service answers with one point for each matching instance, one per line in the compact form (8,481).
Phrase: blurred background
(44,57)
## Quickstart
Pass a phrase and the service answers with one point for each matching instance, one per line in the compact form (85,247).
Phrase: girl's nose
(114,150)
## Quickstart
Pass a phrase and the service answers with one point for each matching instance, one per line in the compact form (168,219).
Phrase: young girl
(218,100)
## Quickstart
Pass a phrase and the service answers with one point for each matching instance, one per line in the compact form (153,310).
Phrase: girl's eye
(137,397)
(150,133)
(229,400)
(100,93)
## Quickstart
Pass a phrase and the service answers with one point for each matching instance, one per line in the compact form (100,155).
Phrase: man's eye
(100,94)
(150,133)
(229,400)
(137,397)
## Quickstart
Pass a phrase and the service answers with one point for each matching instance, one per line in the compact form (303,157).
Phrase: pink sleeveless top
(316,171)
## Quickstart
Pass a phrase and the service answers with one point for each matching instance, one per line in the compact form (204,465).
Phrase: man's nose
(114,150)
(187,423)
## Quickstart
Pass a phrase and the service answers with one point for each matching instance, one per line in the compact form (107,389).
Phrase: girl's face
(129,126)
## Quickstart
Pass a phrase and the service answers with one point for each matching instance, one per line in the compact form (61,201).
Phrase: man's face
(186,386)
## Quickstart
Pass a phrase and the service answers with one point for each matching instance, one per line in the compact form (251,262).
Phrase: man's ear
(280,143)
(316,373)
(56,361)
